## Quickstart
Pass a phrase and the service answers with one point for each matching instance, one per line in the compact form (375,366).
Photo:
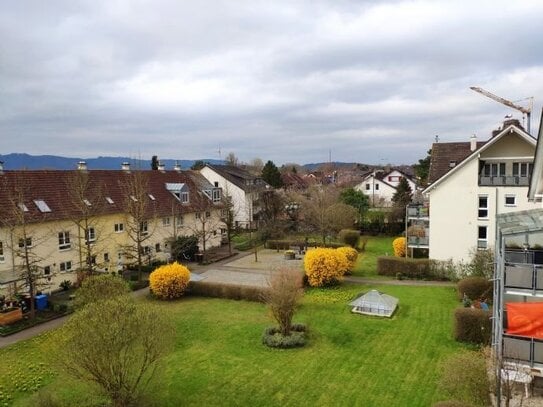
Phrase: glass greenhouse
(375,303)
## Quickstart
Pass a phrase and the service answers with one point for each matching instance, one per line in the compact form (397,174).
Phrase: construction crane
(525,110)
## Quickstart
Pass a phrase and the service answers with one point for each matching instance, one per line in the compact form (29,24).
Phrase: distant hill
(18,161)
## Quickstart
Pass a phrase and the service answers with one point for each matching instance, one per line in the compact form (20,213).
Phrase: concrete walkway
(240,269)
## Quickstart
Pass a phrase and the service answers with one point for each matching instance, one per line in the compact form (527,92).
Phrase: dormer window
(179,190)
(109,200)
(184,197)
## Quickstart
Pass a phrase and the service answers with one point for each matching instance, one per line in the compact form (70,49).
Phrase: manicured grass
(349,360)
(366,265)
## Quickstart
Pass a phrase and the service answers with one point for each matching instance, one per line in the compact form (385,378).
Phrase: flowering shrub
(324,266)
(169,281)
(399,247)
(351,255)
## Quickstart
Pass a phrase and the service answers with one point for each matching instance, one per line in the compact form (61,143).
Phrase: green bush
(472,325)
(229,291)
(475,288)
(409,268)
(349,237)
(273,338)
(451,403)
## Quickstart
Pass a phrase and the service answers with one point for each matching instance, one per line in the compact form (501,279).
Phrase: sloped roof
(55,188)
(520,222)
(238,176)
(376,299)
(292,180)
(444,153)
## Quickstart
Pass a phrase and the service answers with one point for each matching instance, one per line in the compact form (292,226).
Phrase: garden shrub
(465,380)
(169,281)
(398,245)
(351,255)
(228,291)
(184,248)
(324,266)
(475,288)
(349,237)
(407,267)
(451,403)
(273,338)
(99,288)
(472,325)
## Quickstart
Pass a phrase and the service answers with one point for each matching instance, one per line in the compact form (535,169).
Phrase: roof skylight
(42,206)
(109,200)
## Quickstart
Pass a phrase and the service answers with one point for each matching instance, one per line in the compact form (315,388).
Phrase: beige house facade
(42,218)
(464,201)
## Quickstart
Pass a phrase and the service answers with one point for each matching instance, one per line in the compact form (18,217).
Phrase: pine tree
(403,194)
(271,174)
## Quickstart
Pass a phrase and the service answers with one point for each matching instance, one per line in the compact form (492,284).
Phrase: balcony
(506,180)
(416,241)
(418,211)
(521,349)
(526,278)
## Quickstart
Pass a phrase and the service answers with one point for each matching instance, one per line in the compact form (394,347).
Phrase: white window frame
(179,221)
(368,187)
(65,266)
(482,208)
(2,255)
(118,228)
(482,243)
(514,203)
(90,235)
(64,241)
(166,222)
(22,243)
(198,215)
(184,197)
(144,228)
(216,195)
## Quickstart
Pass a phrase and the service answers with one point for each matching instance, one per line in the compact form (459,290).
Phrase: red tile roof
(53,187)
(444,153)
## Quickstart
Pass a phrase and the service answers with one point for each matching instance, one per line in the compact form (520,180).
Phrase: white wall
(378,190)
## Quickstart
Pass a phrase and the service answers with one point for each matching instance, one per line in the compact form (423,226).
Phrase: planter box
(10,317)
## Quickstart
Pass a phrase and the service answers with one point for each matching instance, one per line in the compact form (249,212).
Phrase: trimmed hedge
(349,237)
(287,244)
(472,325)
(475,288)
(228,291)
(410,268)
(273,338)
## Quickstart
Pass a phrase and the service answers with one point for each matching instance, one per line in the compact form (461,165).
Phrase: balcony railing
(418,241)
(523,350)
(417,212)
(505,180)
(523,276)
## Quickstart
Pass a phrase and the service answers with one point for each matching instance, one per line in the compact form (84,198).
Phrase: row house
(66,221)
(471,183)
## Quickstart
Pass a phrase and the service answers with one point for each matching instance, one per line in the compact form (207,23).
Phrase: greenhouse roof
(375,303)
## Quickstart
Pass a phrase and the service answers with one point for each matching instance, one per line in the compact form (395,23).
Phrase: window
(494,170)
(377,187)
(23,207)
(510,200)
(42,206)
(133,198)
(64,241)
(151,197)
(184,197)
(106,257)
(25,242)
(144,228)
(65,266)
(47,270)
(522,169)
(120,255)
(216,195)
(109,200)
(482,242)
(208,214)
(452,164)
(91,235)
(483,207)
(393,178)
(119,228)
(166,221)
(87,202)
(91,260)
(2,258)
(157,248)
(198,215)
(146,250)
(368,187)
(179,221)
(216,183)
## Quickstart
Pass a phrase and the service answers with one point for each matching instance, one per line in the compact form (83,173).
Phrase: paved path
(240,269)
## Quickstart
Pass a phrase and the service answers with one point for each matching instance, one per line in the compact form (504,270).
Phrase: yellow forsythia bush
(351,255)
(324,266)
(399,247)
(169,281)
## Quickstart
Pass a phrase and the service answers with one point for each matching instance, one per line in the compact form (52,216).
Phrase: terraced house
(56,223)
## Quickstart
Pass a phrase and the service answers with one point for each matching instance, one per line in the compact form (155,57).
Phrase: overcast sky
(372,81)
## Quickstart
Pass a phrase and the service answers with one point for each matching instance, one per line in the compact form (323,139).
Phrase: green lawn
(366,265)
(219,360)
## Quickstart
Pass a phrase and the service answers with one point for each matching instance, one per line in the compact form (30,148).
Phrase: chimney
(125,166)
(82,166)
(161,167)
(1,167)
(177,167)
(473,142)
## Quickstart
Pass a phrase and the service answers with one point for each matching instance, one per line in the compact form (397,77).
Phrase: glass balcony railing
(418,212)
(505,180)
(523,349)
(523,276)
(418,241)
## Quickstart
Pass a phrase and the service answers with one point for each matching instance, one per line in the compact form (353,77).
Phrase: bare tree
(206,224)
(23,241)
(316,206)
(255,166)
(228,215)
(231,159)
(282,297)
(139,214)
